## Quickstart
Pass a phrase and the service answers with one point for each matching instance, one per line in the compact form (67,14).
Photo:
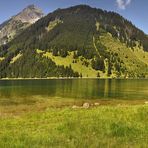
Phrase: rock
(96,104)
(86,105)
(75,107)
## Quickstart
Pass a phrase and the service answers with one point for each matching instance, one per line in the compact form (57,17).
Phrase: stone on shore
(86,105)
(96,104)
(75,107)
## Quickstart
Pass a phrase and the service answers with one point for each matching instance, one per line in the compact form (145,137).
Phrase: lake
(25,91)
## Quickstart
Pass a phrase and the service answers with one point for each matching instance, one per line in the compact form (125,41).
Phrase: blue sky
(134,10)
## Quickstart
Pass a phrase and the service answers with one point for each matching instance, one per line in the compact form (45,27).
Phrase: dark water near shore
(26,91)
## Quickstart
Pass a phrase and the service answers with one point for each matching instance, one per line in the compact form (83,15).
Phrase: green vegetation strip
(103,126)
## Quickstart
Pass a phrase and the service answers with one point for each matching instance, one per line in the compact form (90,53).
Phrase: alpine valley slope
(79,41)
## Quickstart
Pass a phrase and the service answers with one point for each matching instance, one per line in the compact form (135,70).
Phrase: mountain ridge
(78,41)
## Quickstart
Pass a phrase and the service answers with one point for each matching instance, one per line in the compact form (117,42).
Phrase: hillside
(14,26)
(79,41)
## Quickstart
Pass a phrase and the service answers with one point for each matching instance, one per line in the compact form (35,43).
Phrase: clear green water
(28,91)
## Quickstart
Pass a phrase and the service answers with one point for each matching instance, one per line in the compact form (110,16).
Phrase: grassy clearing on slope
(53,24)
(15,58)
(141,54)
(2,58)
(65,127)
(78,67)
(134,61)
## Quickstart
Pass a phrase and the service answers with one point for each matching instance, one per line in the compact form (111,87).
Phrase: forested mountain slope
(79,41)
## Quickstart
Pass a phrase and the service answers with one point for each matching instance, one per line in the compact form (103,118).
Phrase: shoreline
(72,78)
(72,104)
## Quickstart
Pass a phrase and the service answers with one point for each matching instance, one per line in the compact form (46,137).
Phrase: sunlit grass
(2,58)
(78,66)
(134,59)
(15,58)
(103,126)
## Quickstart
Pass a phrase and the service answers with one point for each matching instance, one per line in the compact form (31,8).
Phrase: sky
(134,10)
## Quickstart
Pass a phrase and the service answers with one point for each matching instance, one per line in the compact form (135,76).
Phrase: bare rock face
(12,27)
(29,15)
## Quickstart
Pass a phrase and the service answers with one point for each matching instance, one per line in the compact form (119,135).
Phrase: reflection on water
(24,90)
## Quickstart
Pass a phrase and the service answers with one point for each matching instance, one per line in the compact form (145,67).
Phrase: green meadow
(43,125)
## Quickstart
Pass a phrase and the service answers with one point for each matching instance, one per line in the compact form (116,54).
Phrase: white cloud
(122,4)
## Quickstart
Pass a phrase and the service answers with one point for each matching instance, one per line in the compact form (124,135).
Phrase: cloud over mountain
(122,4)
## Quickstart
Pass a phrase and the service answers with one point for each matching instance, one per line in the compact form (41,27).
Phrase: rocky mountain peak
(30,14)
(14,26)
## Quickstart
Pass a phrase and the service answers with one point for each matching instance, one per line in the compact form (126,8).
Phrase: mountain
(12,27)
(79,41)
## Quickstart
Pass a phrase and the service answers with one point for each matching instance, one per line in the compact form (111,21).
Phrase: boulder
(96,104)
(86,105)
(75,107)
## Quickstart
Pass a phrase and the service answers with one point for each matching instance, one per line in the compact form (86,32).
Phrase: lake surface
(25,91)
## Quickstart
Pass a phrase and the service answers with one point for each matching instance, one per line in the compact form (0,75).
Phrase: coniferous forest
(77,30)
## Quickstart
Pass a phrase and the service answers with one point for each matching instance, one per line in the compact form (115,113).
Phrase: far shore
(67,78)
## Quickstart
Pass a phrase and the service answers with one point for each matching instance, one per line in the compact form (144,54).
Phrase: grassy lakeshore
(47,125)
